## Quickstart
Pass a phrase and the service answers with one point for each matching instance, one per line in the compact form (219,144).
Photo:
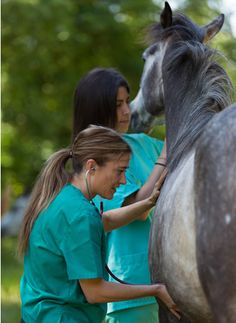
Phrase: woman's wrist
(160,164)
(161,161)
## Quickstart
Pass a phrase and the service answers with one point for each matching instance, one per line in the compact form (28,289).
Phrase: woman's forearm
(147,188)
(116,218)
(101,291)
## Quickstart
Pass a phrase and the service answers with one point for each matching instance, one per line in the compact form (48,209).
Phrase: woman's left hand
(165,297)
(156,190)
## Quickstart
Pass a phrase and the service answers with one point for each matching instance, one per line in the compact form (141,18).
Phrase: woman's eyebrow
(128,97)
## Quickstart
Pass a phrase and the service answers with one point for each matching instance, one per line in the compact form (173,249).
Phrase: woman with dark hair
(62,237)
(102,98)
(95,99)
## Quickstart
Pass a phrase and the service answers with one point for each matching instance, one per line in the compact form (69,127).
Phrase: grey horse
(192,247)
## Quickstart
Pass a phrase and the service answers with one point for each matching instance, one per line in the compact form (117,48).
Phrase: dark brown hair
(95,99)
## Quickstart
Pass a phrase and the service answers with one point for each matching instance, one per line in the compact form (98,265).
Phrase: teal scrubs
(67,243)
(127,247)
(146,313)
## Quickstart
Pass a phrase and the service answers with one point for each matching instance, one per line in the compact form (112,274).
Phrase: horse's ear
(212,28)
(166,16)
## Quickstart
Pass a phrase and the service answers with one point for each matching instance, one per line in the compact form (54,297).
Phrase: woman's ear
(91,165)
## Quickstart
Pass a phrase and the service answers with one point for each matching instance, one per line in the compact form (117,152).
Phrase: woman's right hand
(165,297)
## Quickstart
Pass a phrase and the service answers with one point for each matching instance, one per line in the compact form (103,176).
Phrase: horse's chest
(174,223)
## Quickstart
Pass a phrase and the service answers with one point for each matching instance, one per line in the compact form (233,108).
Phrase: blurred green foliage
(48,46)
(11,270)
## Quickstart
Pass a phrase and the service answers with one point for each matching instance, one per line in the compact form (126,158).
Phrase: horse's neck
(191,99)
(184,124)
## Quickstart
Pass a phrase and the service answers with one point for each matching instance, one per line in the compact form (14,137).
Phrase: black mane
(195,85)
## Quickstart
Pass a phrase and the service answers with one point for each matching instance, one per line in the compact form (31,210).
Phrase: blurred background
(47,45)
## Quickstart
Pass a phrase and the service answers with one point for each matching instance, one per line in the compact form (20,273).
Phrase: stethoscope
(101,213)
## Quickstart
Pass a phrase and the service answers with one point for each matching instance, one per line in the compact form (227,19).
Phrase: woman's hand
(117,218)
(165,297)
(157,187)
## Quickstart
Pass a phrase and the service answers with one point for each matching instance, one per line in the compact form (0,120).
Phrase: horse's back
(215,201)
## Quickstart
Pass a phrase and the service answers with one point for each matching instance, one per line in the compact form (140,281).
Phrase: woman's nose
(122,179)
(126,109)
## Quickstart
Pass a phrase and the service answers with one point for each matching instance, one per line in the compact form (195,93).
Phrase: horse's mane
(203,89)
(196,86)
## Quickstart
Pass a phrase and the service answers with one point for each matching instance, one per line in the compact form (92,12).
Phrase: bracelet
(161,164)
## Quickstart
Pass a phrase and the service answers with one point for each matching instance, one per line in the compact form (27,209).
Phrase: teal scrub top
(67,243)
(127,247)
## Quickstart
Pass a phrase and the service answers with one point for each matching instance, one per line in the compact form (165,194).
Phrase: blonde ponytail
(49,183)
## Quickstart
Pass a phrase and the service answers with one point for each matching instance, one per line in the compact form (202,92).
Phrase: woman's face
(122,110)
(108,177)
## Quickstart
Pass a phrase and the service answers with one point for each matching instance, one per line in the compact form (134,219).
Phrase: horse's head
(172,29)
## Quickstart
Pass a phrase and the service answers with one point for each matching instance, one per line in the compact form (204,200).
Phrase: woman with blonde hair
(62,237)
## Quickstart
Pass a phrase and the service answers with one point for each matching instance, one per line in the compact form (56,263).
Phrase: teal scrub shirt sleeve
(81,247)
